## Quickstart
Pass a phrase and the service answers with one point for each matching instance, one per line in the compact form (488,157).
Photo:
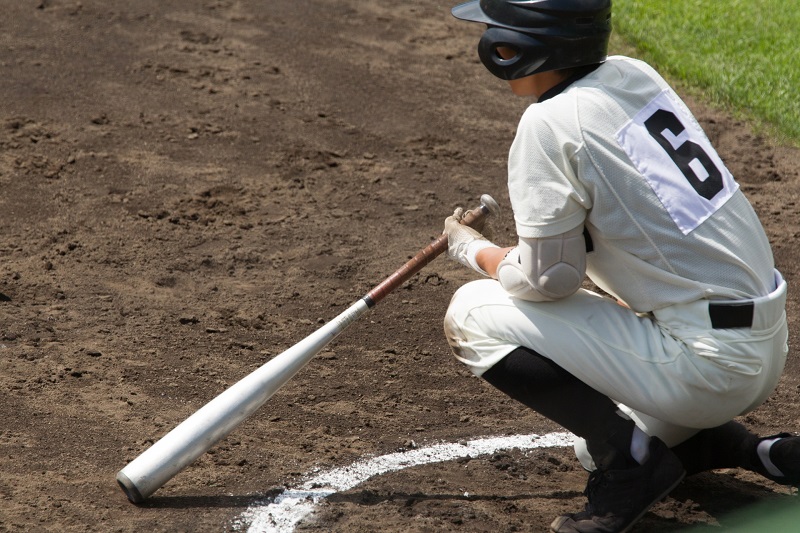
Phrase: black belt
(727,315)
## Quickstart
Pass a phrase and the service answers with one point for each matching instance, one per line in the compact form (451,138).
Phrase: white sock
(763,453)
(640,446)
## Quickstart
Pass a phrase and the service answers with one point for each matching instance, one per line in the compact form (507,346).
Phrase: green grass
(780,515)
(744,55)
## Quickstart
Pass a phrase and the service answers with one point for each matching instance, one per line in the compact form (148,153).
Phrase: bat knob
(490,204)
(129,488)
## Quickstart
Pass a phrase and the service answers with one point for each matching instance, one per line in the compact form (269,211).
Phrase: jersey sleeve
(546,195)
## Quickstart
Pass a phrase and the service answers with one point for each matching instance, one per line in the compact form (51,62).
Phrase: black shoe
(785,455)
(619,498)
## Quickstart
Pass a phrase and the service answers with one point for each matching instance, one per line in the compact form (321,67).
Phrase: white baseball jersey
(620,152)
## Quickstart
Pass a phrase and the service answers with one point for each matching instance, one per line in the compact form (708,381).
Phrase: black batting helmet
(545,34)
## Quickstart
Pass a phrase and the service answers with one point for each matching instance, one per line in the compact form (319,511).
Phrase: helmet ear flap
(530,53)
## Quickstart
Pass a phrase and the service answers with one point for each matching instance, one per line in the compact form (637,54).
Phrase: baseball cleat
(779,458)
(619,498)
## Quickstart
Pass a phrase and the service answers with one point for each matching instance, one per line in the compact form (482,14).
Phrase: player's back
(668,222)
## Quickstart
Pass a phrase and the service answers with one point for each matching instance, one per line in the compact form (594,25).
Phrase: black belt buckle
(730,315)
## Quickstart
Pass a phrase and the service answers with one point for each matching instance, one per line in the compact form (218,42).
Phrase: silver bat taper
(215,420)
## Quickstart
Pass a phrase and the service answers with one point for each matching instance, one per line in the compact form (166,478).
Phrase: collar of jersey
(558,89)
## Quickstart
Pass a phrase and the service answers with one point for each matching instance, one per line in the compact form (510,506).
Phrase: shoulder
(624,70)
(550,125)
(626,63)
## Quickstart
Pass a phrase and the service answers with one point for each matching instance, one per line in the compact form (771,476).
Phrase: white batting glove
(463,242)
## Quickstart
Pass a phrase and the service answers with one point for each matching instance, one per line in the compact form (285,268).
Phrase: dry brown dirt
(189,188)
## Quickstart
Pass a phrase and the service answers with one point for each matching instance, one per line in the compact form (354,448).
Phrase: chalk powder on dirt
(282,513)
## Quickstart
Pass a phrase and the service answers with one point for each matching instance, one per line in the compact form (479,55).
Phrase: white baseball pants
(672,372)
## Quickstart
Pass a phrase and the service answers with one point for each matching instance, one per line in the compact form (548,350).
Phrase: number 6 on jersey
(676,158)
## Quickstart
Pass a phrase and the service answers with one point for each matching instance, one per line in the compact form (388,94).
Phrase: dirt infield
(189,188)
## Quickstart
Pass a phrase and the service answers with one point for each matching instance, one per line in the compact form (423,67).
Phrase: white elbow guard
(545,269)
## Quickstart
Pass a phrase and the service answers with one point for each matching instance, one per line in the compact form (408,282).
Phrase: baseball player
(611,177)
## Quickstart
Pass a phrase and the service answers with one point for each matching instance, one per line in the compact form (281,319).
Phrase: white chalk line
(281,514)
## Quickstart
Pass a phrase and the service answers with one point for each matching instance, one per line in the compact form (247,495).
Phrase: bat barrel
(194,436)
(214,421)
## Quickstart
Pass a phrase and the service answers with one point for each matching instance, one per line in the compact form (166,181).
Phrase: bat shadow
(717,499)
(727,500)
(222,501)
(369,497)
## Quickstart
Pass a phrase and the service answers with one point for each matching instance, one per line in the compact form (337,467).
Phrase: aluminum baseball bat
(215,420)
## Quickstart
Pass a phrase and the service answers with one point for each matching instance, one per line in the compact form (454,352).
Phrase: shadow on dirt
(205,502)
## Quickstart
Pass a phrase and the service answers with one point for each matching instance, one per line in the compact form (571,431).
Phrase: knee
(465,299)
(453,321)
(469,325)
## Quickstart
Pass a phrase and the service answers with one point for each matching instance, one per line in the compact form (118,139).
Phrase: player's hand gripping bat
(215,420)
